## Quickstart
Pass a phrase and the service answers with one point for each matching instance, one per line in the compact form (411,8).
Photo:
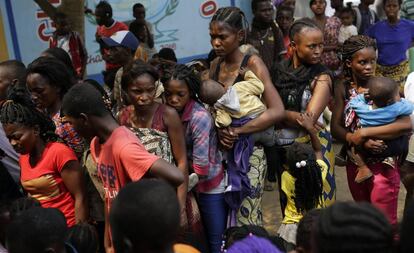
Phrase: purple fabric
(253,244)
(238,166)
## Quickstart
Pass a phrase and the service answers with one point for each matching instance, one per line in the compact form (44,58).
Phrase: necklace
(264,36)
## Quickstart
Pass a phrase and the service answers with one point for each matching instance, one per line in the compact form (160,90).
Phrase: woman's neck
(359,82)
(235,57)
(296,61)
(144,114)
(37,151)
(55,108)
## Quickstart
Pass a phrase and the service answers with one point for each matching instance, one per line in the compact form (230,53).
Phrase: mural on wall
(178,24)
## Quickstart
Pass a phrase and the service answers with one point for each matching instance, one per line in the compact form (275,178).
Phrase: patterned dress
(331,33)
(250,211)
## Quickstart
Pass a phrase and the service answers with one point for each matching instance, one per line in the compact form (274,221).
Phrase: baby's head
(347,16)
(383,91)
(211,91)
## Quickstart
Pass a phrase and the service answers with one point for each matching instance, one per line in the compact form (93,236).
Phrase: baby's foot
(363,174)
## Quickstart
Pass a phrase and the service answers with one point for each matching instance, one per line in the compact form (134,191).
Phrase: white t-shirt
(345,32)
(409,92)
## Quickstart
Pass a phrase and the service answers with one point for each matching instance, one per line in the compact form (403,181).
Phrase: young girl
(302,181)
(182,87)
(49,170)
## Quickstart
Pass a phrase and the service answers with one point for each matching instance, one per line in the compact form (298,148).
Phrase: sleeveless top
(239,77)
(155,139)
(125,118)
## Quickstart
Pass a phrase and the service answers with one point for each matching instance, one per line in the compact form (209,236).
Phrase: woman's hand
(375,146)
(356,138)
(227,136)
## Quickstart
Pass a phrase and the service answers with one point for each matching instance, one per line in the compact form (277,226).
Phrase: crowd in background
(165,157)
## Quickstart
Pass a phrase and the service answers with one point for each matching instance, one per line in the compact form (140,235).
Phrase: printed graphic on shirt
(42,188)
(109,180)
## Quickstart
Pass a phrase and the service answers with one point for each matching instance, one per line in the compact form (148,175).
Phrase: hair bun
(19,94)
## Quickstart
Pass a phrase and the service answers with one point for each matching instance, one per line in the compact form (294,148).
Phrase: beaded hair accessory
(301,164)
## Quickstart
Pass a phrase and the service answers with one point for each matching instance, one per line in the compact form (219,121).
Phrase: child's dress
(292,216)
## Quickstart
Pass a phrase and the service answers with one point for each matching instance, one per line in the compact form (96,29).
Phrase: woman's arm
(337,122)
(306,122)
(72,177)
(177,140)
(321,95)
(275,110)
(397,128)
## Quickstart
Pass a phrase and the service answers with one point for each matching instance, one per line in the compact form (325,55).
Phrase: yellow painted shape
(4,54)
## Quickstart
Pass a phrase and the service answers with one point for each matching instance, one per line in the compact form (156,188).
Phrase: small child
(302,182)
(284,19)
(240,101)
(71,42)
(347,28)
(385,108)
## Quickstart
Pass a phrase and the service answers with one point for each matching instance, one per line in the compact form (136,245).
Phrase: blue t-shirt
(392,41)
(379,116)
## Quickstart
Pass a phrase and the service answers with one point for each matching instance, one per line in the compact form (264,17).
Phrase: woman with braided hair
(182,87)
(359,59)
(227,33)
(49,170)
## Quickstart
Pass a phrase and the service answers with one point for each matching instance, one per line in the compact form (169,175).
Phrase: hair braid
(183,73)
(308,184)
(353,45)
(300,25)
(232,16)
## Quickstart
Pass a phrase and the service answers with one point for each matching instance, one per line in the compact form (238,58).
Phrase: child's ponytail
(307,172)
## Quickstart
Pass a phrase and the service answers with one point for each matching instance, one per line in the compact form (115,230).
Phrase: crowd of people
(167,157)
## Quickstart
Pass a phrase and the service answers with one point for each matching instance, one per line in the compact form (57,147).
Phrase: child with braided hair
(182,89)
(49,170)
(302,182)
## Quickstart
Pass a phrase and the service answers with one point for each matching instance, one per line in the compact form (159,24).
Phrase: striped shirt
(202,145)
(407,9)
